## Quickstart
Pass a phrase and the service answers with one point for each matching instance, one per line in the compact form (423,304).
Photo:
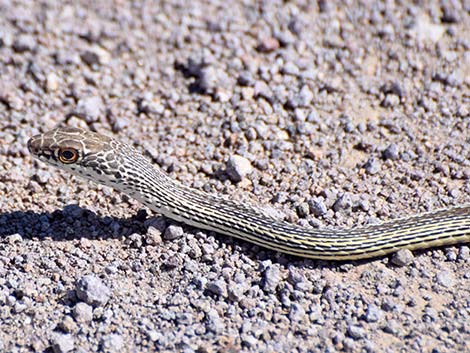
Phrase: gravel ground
(323,113)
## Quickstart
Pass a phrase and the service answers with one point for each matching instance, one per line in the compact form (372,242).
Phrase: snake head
(79,151)
(96,157)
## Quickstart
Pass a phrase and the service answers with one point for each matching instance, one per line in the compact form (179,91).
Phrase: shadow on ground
(71,222)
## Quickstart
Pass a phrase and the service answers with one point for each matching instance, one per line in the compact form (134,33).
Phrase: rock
(92,290)
(464,253)
(135,240)
(218,287)
(248,340)
(424,30)
(112,343)
(173,232)
(430,315)
(391,152)
(390,101)
(96,55)
(24,43)
(372,166)
(356,332)
(403,257)
(245,78)
(268,45)
(236,291)
(374,313)
(83,312)
(68,325)
(317,207)
(62,343)
(290,68)
(271,279)
(14,238)
(344,202)
(153,335)
(297,312)
(214,322)
(303,210)
(208,79)
(445,279)
(172,262)
(150,104)
(305,96)
(393,327)
(349,345)
(261,89)
(52,82)
(238,167)
(463,111)
(207,249)
(91,108)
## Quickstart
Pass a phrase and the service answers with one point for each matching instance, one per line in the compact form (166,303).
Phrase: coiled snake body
(107,161)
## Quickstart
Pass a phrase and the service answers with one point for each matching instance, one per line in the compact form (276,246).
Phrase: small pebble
(52,82)
(112,343)
(96,55)
(23,43)
(356,332)
(62,343)
(92,290)
(245,78)
(268,45)
(238,167)
(403,257)
(14,238)
(218,287)
(303,210)
(173,232)
(344,202)
(425,30)
(445,279)
(68,325)
(372,166)
(135,240)
(391,152)
(91,108)
(271,279)
(390,101)
(290,68)
(297,312)
(83,312)
(374,313)
(317,207)
(464,253)
(214,321)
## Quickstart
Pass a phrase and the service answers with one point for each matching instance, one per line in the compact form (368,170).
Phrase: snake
(107,161)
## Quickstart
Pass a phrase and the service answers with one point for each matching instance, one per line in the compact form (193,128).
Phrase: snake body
(109,162)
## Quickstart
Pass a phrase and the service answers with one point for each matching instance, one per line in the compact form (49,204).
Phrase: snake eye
(68,155)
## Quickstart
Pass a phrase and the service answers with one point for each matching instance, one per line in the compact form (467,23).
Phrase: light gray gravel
(338,115)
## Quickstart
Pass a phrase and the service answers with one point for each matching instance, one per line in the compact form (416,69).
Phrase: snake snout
(33,145)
